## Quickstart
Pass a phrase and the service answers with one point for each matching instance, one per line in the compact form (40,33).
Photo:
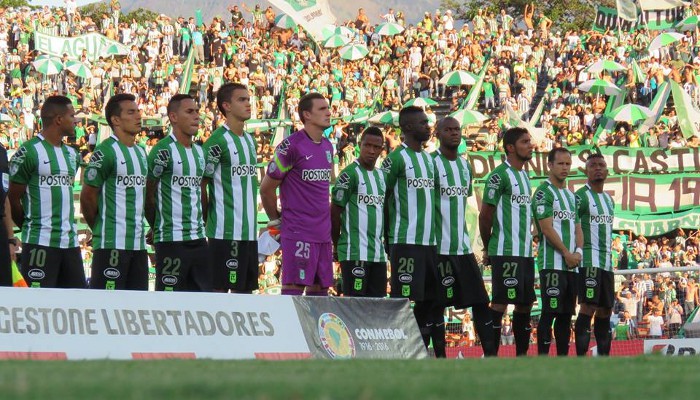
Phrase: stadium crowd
(527,58)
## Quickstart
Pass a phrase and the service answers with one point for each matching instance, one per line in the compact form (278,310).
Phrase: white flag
(627,9)
(313,15)
(660,4)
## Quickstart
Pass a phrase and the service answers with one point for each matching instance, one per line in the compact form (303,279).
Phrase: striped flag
(473,95)
(187,72)
(657,107)
(688,115)
(17,278)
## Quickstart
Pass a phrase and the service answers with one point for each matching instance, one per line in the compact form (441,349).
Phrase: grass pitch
(532,378)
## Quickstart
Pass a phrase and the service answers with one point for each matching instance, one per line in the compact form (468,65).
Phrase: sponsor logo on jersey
(186,181)
(112,273)
(386,165)
(343,181)
(591,283)
(96,159)
(157,171)
(358,272)
(329,156)
(553,292)
(231,263)
(420,183)
(243,170)
(214,152)
(405,278)
(162,157)
(448,281)
(564,215)
(494,181)
(510,282)
(56,180)
(169,280)
(131,181)
(316,175)
(36,274)
(520,199)
(540,197)
(335,336)
(370,199)
(91,174)
(601,219)
(579,200)
(454,191)
(283,147)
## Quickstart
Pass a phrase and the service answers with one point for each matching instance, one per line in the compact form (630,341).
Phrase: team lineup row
(200,202)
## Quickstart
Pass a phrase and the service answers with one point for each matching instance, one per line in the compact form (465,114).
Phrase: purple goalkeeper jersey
(304,167)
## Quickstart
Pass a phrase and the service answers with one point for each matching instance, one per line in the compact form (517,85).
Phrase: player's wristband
(579,251)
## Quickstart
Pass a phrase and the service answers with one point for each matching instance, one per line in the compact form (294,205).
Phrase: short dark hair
(371,131)
(553,153)
(225,92)
(405,112)
(512,135)
(594,156)
(306,103)
(53,107)
(114,108)
(444,120)
(174,103)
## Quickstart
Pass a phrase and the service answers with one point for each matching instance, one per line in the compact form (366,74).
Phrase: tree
(565,14)
(141,15)
(94,11)
(14,3)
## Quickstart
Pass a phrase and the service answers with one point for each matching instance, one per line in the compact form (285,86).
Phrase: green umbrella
(468,117)
(285,21)
(605,65)
(664,39)
(386,118)
(362,115)
(689,23)
(336,41)
(330,30)
(420,102)
(599,86)
(457,78)
(353,51)
(79,69)
(48,65)
(389,29)
(253,124)
(630,113)
(111,50)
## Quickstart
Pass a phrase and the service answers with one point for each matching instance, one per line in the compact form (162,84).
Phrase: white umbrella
(353,51)
(457,78)
(420,102)
(386,118)
(599,86)
(79,69)
(664,39)
(48,65)
(630,113)
(389,29)
(336,41)
(605,65)
(468,117)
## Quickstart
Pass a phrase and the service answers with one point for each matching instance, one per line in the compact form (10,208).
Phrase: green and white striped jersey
(178,170)
(453,185)
(560,205)
(361,194)
(410,188)
(596,211)
(509,191)
(49,174)
(233,187)
(120,172)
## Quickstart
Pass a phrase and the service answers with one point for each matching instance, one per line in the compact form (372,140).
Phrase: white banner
(627,10)
(688,115)
(313,15)
(661,4)
(672,347)
(94,324)
(96,46)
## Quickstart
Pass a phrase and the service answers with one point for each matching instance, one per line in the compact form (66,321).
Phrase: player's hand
(149,237)
(572,259)
(274,228)
(485,258)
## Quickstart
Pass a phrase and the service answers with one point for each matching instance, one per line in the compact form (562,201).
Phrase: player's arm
(9,226)
(547,229)
(98,168)
(492,193)
(150,210)
(268,196)
(486,223)
(336,212)
(14,196)
(205,198)
(340,196)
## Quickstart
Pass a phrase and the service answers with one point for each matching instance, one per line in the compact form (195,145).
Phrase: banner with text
(94,44)
(313,15)
(91,324)
(653,18)
(359,328)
